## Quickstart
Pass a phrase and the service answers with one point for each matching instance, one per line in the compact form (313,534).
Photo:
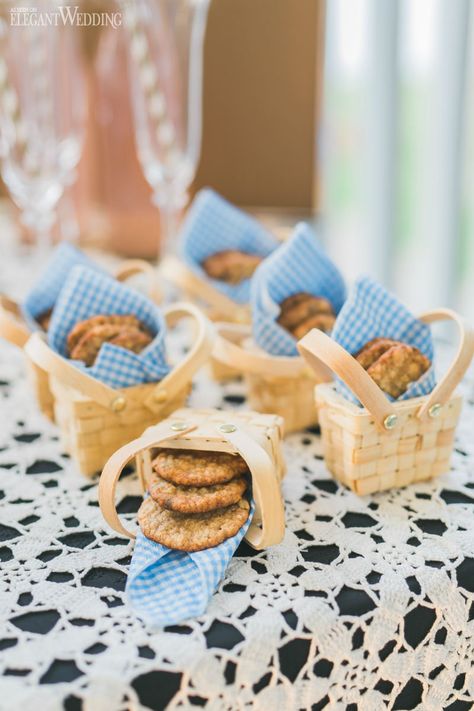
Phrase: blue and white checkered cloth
(371,312)
(43,295)
(298,265)
(87,293)
(166,586)
(214,225)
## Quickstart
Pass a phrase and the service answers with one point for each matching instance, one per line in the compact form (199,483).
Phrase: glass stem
(169,222)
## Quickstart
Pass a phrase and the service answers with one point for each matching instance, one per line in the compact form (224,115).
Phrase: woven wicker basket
(256,437)
(275,384)
(96,419)
(216,305)
(386,444)
(13,328)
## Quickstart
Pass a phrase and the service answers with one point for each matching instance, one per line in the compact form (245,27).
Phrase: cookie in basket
(198,468)
(191,532)
(196,499)
(301,312)
(393,365)
(86,338)
(44,319)
(231,265)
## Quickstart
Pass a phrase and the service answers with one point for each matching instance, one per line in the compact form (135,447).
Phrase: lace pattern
(367,605)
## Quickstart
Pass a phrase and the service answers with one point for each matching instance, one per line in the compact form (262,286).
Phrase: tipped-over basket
(386,444)
(275,384)
(216,305)
(256,437)
(96,419)
(14,328)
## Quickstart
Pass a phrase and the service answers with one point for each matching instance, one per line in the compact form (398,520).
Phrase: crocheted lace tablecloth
(367,604)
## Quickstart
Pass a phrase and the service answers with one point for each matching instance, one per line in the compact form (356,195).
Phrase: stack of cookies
(393,365)
(231,265)
(301,312)
(86,338)
(196,499)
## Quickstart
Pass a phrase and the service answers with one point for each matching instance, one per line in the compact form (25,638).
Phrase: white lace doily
(367,605)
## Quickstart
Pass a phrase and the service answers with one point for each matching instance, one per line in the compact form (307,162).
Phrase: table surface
(367,604)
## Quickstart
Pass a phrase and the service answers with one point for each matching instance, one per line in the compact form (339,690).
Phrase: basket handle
(270,512)
(316,346)
(179,274)
(266,490)
(12,327)
(131,267)
(114,467)
(116,400)
(455,373)
(228,350)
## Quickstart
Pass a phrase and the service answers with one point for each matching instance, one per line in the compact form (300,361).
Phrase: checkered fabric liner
(300,264)
(87,293)
(370,312)
(45,292)
(214,225)
(166,587)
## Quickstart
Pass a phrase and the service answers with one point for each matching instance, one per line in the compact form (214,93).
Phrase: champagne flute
(42,109)
(165,48)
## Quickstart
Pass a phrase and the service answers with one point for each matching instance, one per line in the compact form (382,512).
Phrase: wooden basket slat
(257,438)
(367,459)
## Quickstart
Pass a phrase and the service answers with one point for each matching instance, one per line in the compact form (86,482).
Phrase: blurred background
(357,115)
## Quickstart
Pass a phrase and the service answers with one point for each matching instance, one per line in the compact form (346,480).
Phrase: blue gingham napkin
(371,312)
(43,295)
(300,264)
(213,225)
(87,293)
(166,586)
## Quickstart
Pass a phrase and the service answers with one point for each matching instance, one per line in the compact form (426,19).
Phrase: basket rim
(331,396)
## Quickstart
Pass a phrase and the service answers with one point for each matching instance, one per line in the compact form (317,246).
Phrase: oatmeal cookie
(373,350)
(231,265)
(44,319)
(130,338)
(198,468)
(301,312)
(397,368)
(191,532)
(196,499)
(324,322)
(81,328)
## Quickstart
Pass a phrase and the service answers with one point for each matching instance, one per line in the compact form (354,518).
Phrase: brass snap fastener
(227,428)
(435,410)
(119,404)
(390,422)
(179,426)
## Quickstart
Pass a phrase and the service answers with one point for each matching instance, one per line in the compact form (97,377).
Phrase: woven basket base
(39,381)
(367,460)
(91,433)
(291,398)
(221,372)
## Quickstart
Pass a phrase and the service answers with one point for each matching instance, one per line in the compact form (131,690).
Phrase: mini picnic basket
(95,419)
(256,437)
(386,444)
(15,329)
(282,385)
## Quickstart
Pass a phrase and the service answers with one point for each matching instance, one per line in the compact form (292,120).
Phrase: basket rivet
(119,404)
(435,409)
(227,428)
(179,426)
(160,396)
(390,422)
